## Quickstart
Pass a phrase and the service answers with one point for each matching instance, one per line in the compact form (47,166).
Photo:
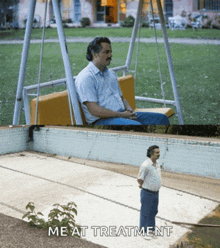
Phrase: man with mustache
(100,95)
(149,180)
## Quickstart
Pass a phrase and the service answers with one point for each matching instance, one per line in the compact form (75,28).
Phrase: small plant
(53,20)
(128,22)
(208,24)
(216,23)
(60,216)
(145,24)
(183,13)
(85,21)
(69,20)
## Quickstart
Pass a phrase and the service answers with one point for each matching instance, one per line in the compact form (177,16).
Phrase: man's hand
(129,114)
(126,105)
(128,108)
(101,112)
(140,181)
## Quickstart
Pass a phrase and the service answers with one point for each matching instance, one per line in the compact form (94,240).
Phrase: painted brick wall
(177,155)
(13,140)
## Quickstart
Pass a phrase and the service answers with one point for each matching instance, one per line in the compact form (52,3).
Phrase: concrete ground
(108,201)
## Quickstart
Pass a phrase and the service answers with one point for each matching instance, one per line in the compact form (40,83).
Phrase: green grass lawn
(204,236)
(196,68)
(207,236)
(112,32)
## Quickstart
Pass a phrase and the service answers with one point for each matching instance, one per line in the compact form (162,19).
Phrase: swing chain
(40,68)
(40,63)
(158,55)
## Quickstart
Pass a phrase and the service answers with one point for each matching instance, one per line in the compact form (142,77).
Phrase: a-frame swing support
(176,102)
(69,77)
(66,62)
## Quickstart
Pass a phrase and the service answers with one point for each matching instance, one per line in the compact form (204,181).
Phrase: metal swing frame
(25,92)
(176,101)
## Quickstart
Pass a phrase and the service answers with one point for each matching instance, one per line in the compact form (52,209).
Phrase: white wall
(39,12)
(190,156)
(177,155)
(132,7)
(87,10)
(13,139)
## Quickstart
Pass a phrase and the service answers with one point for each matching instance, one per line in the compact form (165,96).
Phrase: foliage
(145,24)
(203,236)
(53,20)
(183,13)
(188,130)
(69,20)
(34,22)
(85,21)
(216,22)
(60,216)
(198,130)
(206,236)
(208,24)
(128,22)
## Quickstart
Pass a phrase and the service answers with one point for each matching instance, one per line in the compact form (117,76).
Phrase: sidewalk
(118,39)
(104,199)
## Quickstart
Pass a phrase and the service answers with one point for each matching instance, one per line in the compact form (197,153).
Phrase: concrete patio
(107,202)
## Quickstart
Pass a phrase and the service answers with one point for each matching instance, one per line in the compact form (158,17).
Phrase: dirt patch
(203,236)
(17,233)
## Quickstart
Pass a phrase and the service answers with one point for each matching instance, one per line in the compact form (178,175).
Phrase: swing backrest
(53,109)
(127,88)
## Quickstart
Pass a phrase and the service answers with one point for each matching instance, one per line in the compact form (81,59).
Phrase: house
(9,14)
(104,12)
(208,9)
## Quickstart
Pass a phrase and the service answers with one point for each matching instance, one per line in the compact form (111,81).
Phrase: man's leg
(154,210)
(149,118)
(145,211)
(117,121)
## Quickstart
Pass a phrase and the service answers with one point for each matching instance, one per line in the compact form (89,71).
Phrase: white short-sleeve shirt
(151,175)
(94,86)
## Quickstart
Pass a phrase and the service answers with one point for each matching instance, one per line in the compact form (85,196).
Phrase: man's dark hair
(150,150)
(95,47)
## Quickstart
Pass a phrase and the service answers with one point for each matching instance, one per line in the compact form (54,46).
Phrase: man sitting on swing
(100,95)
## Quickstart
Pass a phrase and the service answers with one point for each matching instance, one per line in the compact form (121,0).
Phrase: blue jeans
(143,118)
(149,209)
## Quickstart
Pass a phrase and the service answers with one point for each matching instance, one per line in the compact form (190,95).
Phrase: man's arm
(142,174)
(101,112)
(126,104)
(140,181)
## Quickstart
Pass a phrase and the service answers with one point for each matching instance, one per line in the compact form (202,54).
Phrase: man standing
(149,179)
(100,95)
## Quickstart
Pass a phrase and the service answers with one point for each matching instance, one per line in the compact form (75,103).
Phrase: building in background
(209,8)
(9,14)
(101,12)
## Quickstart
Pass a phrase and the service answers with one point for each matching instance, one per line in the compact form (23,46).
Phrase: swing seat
(127,88)
(53,109)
